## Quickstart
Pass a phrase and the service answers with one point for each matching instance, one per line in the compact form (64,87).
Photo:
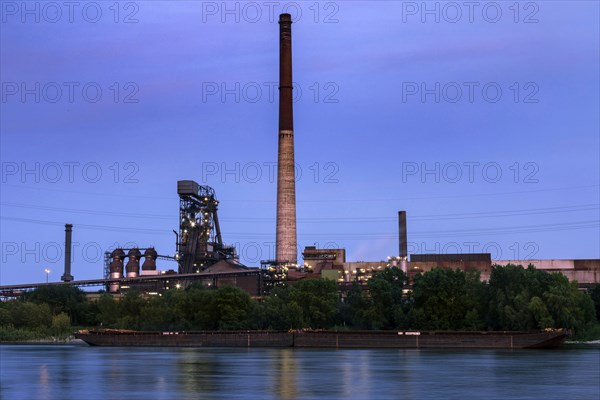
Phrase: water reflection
(44,380)
(75,372)
(198,372)
(284,362)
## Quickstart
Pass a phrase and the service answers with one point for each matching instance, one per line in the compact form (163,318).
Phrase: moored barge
(328,339)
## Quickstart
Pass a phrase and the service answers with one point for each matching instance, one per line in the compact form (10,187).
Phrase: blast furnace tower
(200,244)
(285,244)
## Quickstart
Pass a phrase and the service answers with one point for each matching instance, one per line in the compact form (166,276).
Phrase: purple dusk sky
(481,121)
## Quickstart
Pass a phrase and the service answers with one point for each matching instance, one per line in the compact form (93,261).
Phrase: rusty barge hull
(327,339)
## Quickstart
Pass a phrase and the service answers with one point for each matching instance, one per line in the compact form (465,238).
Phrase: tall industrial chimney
(285,245)
(402,239)
(67,277)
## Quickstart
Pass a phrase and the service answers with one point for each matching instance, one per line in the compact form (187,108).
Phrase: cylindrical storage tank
(116,268)
(133,264)
(149,260)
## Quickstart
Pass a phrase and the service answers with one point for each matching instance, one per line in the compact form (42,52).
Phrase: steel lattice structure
(199,242)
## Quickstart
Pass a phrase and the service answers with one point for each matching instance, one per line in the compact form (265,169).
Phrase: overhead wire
(347,235)
(484,214)
(321,200)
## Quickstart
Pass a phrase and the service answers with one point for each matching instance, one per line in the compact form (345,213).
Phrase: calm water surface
(82,372)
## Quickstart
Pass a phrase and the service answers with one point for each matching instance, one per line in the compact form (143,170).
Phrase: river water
(82,372)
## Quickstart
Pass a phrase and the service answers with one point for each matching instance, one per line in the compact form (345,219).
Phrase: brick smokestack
(285,246)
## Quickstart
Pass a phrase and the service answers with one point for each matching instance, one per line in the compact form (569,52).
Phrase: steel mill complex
(202,257)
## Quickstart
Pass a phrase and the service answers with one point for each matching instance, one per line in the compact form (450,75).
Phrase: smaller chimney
(67,277)
(402,240)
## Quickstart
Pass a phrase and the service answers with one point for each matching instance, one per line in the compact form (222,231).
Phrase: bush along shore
(515,298)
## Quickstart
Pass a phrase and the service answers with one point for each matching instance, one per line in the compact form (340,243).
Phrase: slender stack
(403,241)
(285,246)
(402,236)
(67,277)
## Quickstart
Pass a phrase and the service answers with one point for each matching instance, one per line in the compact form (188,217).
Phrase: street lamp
(47,271)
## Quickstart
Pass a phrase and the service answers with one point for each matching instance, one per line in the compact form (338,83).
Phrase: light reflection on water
(77,372)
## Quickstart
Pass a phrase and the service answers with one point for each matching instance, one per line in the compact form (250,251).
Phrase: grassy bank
(10,334)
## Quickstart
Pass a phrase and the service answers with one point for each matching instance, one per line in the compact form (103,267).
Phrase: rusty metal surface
(327,339)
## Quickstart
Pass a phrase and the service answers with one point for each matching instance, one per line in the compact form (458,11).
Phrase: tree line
(514,298)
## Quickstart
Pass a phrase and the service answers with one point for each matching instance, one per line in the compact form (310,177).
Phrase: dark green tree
(353,309)
(510,295)
(61,298)
(318,301)
(196,307)
(595,296)
(540,313)
(131,305)
(382,306)
(28,315)
(385,303)
(61,325)
(278,312)
(446,299)
(570,308)
(528,298)
(109,311)
(232,306)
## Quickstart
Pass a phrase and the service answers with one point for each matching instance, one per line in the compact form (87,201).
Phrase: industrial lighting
(47,271)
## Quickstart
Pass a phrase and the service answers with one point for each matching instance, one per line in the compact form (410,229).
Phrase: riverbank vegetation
(515,298)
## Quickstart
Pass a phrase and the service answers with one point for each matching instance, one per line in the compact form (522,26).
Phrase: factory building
(585,272)
(320,263)
(481,262)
